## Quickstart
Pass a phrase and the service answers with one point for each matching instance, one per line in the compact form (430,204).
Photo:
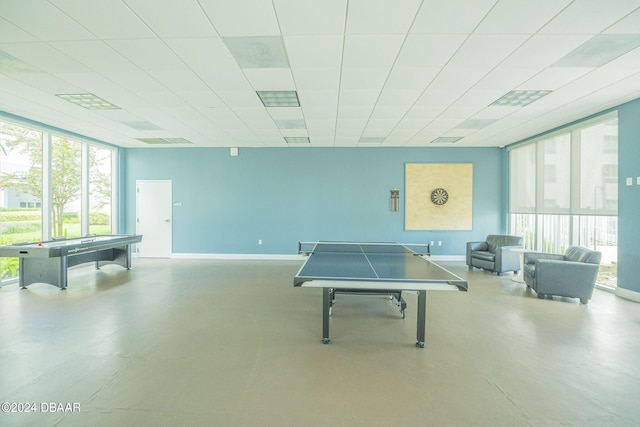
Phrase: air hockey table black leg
(422,317)
(326,311)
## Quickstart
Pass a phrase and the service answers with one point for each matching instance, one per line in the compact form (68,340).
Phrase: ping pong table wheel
(420,344)
(326,340)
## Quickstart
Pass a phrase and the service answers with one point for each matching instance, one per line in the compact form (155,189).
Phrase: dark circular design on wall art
(439,196)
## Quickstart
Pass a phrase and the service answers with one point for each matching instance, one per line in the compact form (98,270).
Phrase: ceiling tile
(203,54)
(327,99)
(398,98)
(504,79)
(315,79)
(174,18)
(43,20)
(314,51)
(543,50)
(242,18)
(554,78)
(589,16)
(404,78)
(239,98)
(298,17)
(436,16)
(458,79)
(135,81)
(10,33)
(371,79)
(270,79)
(486,50)
(95,54)
(99,16)
(371,51)
(44,57)
(520,16)
(416,69)
(627,25)
(225,79)
(148,54)
(358,98)
(429,50)
(47,83)
(379,16)
(285,113)
(179,80)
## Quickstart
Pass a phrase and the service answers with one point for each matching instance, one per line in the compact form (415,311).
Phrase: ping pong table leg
(422,317)
(326,307)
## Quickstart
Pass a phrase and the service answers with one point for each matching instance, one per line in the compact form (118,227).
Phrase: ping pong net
(416,249)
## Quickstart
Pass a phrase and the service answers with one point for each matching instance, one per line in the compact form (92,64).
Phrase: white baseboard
(628,294)
(278,257)
(282,257)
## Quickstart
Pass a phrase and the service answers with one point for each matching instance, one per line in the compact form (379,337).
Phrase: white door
(153,218)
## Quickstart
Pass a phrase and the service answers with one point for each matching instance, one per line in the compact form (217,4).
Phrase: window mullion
(46,186)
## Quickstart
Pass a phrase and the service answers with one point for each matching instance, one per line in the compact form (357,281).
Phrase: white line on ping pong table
(369,261)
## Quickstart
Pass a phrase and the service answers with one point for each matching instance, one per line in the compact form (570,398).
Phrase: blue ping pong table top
(371,262)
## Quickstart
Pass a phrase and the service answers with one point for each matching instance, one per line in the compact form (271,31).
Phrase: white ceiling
(395,72)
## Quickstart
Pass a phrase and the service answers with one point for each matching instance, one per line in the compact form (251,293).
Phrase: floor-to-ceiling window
(100,190)
(66,185)
(564,191)
(20,189)
(52,186)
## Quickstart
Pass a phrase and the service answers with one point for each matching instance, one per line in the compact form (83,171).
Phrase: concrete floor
(233,343)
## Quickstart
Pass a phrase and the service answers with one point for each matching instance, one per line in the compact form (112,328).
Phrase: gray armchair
(495,254)
(570,275)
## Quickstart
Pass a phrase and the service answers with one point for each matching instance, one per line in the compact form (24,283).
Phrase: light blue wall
(286,195)
(629,196)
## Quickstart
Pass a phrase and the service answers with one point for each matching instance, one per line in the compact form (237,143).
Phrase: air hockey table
(48,261)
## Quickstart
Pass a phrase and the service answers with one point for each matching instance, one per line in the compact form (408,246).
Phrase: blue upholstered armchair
(570,275)
(495,254)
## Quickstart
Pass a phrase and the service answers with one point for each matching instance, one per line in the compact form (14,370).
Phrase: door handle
(167,220)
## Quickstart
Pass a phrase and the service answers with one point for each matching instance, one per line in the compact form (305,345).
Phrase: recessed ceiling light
(446,140)
(475,123)
(519,98)
(11,64)
(88,101)
(297,139)
(290,124)
(142,125)
(279,98)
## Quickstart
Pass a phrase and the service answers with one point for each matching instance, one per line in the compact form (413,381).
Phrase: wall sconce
(394,201)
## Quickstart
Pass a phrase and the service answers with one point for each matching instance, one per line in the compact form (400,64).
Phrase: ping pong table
(373,268)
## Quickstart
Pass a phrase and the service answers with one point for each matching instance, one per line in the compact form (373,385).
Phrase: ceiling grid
(366,73)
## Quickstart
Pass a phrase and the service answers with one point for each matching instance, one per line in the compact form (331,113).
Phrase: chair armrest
(477,246)
(574,278)
(532,257)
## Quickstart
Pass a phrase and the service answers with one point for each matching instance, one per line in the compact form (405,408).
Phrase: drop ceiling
(368,73)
